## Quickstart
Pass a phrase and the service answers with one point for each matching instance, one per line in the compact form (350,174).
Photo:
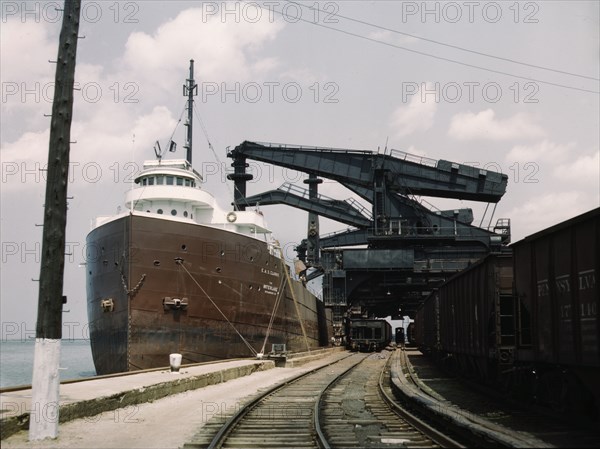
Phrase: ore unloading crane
(409,248)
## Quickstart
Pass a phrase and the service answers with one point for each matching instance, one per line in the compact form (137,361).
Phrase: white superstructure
(171,190)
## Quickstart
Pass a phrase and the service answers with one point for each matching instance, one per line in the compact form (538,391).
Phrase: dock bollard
(175,361)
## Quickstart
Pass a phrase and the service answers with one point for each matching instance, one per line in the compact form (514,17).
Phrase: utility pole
(43,421)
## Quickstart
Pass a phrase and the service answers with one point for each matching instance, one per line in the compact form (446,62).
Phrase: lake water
(16,361)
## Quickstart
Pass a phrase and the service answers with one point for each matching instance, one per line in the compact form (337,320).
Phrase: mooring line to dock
(289,281)
(272,318)
(180,263)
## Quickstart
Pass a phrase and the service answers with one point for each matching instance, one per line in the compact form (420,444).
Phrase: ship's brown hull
(135,262)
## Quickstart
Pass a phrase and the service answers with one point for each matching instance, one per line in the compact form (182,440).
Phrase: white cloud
(544,150)
(380,35)
(101,142)
(26,58)
(565,162)
(302,75)
(223,50)
(418,115)
(22,160)
(416,151)
(484,125)
(28,81)
(104,121)
(388,36)
(547,210)
(26,75)
(583,169)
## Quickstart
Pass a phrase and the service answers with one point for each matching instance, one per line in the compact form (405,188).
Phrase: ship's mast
(190,89)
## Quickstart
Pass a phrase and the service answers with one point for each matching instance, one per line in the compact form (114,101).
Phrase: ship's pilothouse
(171,189)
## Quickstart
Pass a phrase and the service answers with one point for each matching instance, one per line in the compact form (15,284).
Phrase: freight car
(557,297)
(469,321)
(367,335)
(526,318)
(410,334)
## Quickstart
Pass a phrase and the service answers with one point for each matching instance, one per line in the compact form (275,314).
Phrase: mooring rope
(180,262)
(289,281)
(272,319)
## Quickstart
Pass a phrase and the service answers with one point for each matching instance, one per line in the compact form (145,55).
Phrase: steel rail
(321,438)
(429,431)
(478,431)
(233,421)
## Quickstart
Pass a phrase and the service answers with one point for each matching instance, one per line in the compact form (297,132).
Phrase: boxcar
(556,289)
(426,334)
(471,318)
(410,334)
(526,318)
(369,334)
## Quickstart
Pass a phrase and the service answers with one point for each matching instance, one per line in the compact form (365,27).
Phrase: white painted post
(43,418)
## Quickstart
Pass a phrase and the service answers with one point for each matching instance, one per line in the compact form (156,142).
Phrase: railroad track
(468,426)
(335,406)
(359,410)
(524,426)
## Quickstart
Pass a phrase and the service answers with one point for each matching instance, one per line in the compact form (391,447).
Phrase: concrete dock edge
(301,358)
(88,408)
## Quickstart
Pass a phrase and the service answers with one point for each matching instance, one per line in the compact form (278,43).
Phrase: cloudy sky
(508,86)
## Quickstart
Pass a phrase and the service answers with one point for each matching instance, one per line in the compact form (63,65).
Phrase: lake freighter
(177,274)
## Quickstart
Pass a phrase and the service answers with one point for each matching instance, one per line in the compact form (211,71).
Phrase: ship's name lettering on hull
(269,272)
(270,290)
